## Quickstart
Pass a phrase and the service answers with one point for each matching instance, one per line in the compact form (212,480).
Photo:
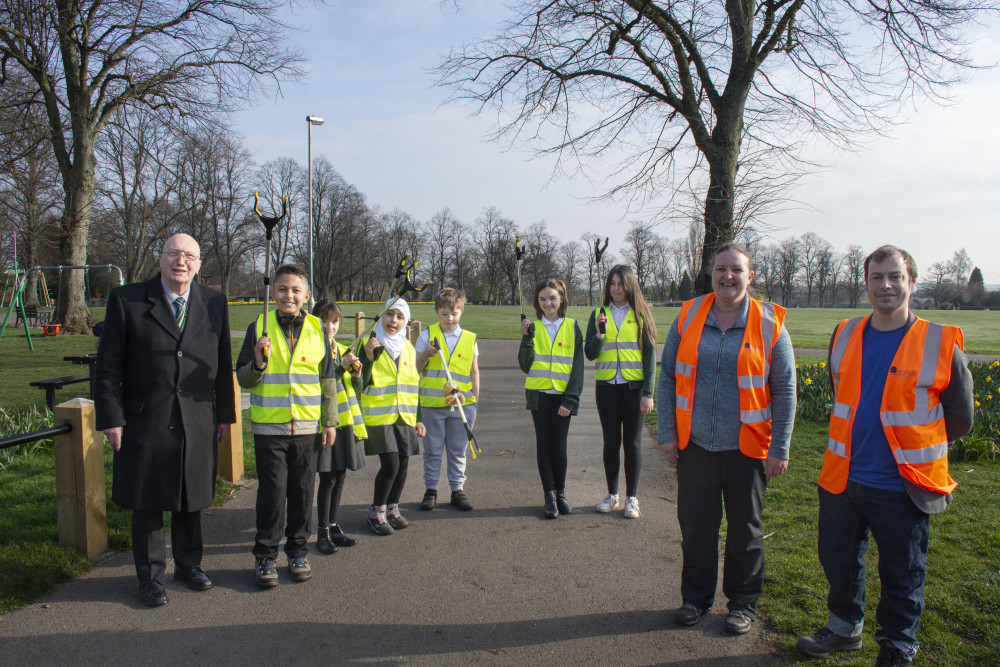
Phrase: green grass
(958,626)
(808,327)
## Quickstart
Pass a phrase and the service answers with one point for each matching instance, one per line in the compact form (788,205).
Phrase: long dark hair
(636,301)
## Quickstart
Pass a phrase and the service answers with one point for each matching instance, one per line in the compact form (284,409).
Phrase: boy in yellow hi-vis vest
(291,376)
(445,430)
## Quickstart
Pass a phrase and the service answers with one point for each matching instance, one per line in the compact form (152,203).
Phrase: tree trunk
(718,212)
(71,308)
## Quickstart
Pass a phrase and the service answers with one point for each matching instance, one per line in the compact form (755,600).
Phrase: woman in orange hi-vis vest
(729,371)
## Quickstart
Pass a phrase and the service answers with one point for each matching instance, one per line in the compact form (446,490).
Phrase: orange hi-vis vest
(753,367)
(911,412)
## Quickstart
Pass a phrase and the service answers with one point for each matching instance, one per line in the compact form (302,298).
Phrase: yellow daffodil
(809,381)
(977,404)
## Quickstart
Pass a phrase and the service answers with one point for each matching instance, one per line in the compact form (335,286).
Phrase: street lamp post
(310,121)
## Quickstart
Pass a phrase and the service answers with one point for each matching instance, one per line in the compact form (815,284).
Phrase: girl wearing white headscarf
(390,405)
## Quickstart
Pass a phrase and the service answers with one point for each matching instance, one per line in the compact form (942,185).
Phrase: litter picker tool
(602,327)
(519,254)
(473,445)
(269,224)
(402,273)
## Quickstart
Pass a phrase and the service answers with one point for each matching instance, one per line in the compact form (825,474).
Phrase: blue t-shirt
(872,462)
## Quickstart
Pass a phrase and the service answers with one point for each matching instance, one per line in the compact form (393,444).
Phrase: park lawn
(958,626)
(808,327)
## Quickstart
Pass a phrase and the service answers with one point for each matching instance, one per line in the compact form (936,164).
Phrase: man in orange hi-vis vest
(902,395)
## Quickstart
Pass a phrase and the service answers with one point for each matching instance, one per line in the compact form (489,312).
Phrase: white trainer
(631,507)
(609,503)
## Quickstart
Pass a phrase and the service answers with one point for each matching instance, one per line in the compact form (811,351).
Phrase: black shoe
(195,578)
(824,641)
(460,500)
(338,537)
(689,615)
(151,594)
(890,656)
(551,506)
(563,504)
(738,622)
(430,500)
(324,542)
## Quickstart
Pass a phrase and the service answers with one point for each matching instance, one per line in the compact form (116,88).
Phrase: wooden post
(80,495)
(414,331)
(231,446)
(359,322)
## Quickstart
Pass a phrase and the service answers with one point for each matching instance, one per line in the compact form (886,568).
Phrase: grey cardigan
(715,417)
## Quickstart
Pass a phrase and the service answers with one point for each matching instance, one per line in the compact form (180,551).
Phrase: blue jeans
(901,532)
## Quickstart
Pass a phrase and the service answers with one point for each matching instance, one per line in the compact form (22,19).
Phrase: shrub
(17,422)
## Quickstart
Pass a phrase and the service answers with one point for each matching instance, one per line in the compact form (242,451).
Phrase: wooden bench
(30,314)
(50,386)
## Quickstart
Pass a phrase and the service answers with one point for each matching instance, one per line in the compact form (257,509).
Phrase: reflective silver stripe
(837,447)
(695,306)
(628,365)
(839,347)
(407,409)
(751,381)
(380,391)
(306,401)
(559,376)
(755,416)
(681,402)
(841,410)
(767,334)
(359,419)
(434,373)
(605,365)
(290,378)
(458,377)
(620,346)
(382,410)
(270,401)
(538,373)
(409,388)
(352,399)
(922,455)
(919,417)
(683,369)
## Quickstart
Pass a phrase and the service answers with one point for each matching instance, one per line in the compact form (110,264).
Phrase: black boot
(562,503)
(338,537)
(551,509)
(324,544)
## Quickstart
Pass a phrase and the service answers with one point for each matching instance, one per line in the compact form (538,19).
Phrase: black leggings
(331,488)
(621,422)
(390,478)
(551,432)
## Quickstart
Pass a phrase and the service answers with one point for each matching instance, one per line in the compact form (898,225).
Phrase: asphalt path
(498,585)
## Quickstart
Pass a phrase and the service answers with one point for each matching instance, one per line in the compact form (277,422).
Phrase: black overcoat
(168,390)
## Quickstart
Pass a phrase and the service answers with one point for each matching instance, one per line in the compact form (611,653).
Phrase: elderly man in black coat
(164,396)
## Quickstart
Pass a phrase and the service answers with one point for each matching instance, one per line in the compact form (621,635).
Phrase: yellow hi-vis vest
(394,391)
(348,409)
(553,362)
(459,363)
(290,389)
(620,349)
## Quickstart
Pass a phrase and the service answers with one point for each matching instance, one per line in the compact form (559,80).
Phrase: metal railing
(33,436)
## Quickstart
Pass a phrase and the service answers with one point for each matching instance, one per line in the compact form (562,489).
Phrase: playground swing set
(19,283)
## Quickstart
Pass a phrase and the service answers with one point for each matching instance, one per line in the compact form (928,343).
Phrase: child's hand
(370,348)
(454,398)
(645,405)
(348,361)
(599,320)
(261,349)
(329,435)
(563,411)
(421,429)
(525,327)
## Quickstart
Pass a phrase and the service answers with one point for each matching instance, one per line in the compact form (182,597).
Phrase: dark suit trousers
(286,472)
(149,544)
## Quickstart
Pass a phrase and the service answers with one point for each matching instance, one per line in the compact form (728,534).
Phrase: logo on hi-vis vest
(303,358)
(755,348)
(901,372)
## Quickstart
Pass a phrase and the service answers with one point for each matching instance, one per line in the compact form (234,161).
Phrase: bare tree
(569,258)
(813,248)
(279,180)
(854,273)
(828,267)
(440,239)
(638,250)
(768,270)
(960,266)
(495,236)
(667,79)
(939,284)
(789,258)
(88,58)
(593,280)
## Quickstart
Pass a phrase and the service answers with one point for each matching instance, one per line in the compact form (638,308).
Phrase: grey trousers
(446,436)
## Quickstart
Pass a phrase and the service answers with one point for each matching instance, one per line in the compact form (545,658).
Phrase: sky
(929,187)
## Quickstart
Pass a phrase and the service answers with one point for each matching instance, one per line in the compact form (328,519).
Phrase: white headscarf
(393,344)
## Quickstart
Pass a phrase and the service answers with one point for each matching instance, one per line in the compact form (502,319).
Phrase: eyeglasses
(177,254)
